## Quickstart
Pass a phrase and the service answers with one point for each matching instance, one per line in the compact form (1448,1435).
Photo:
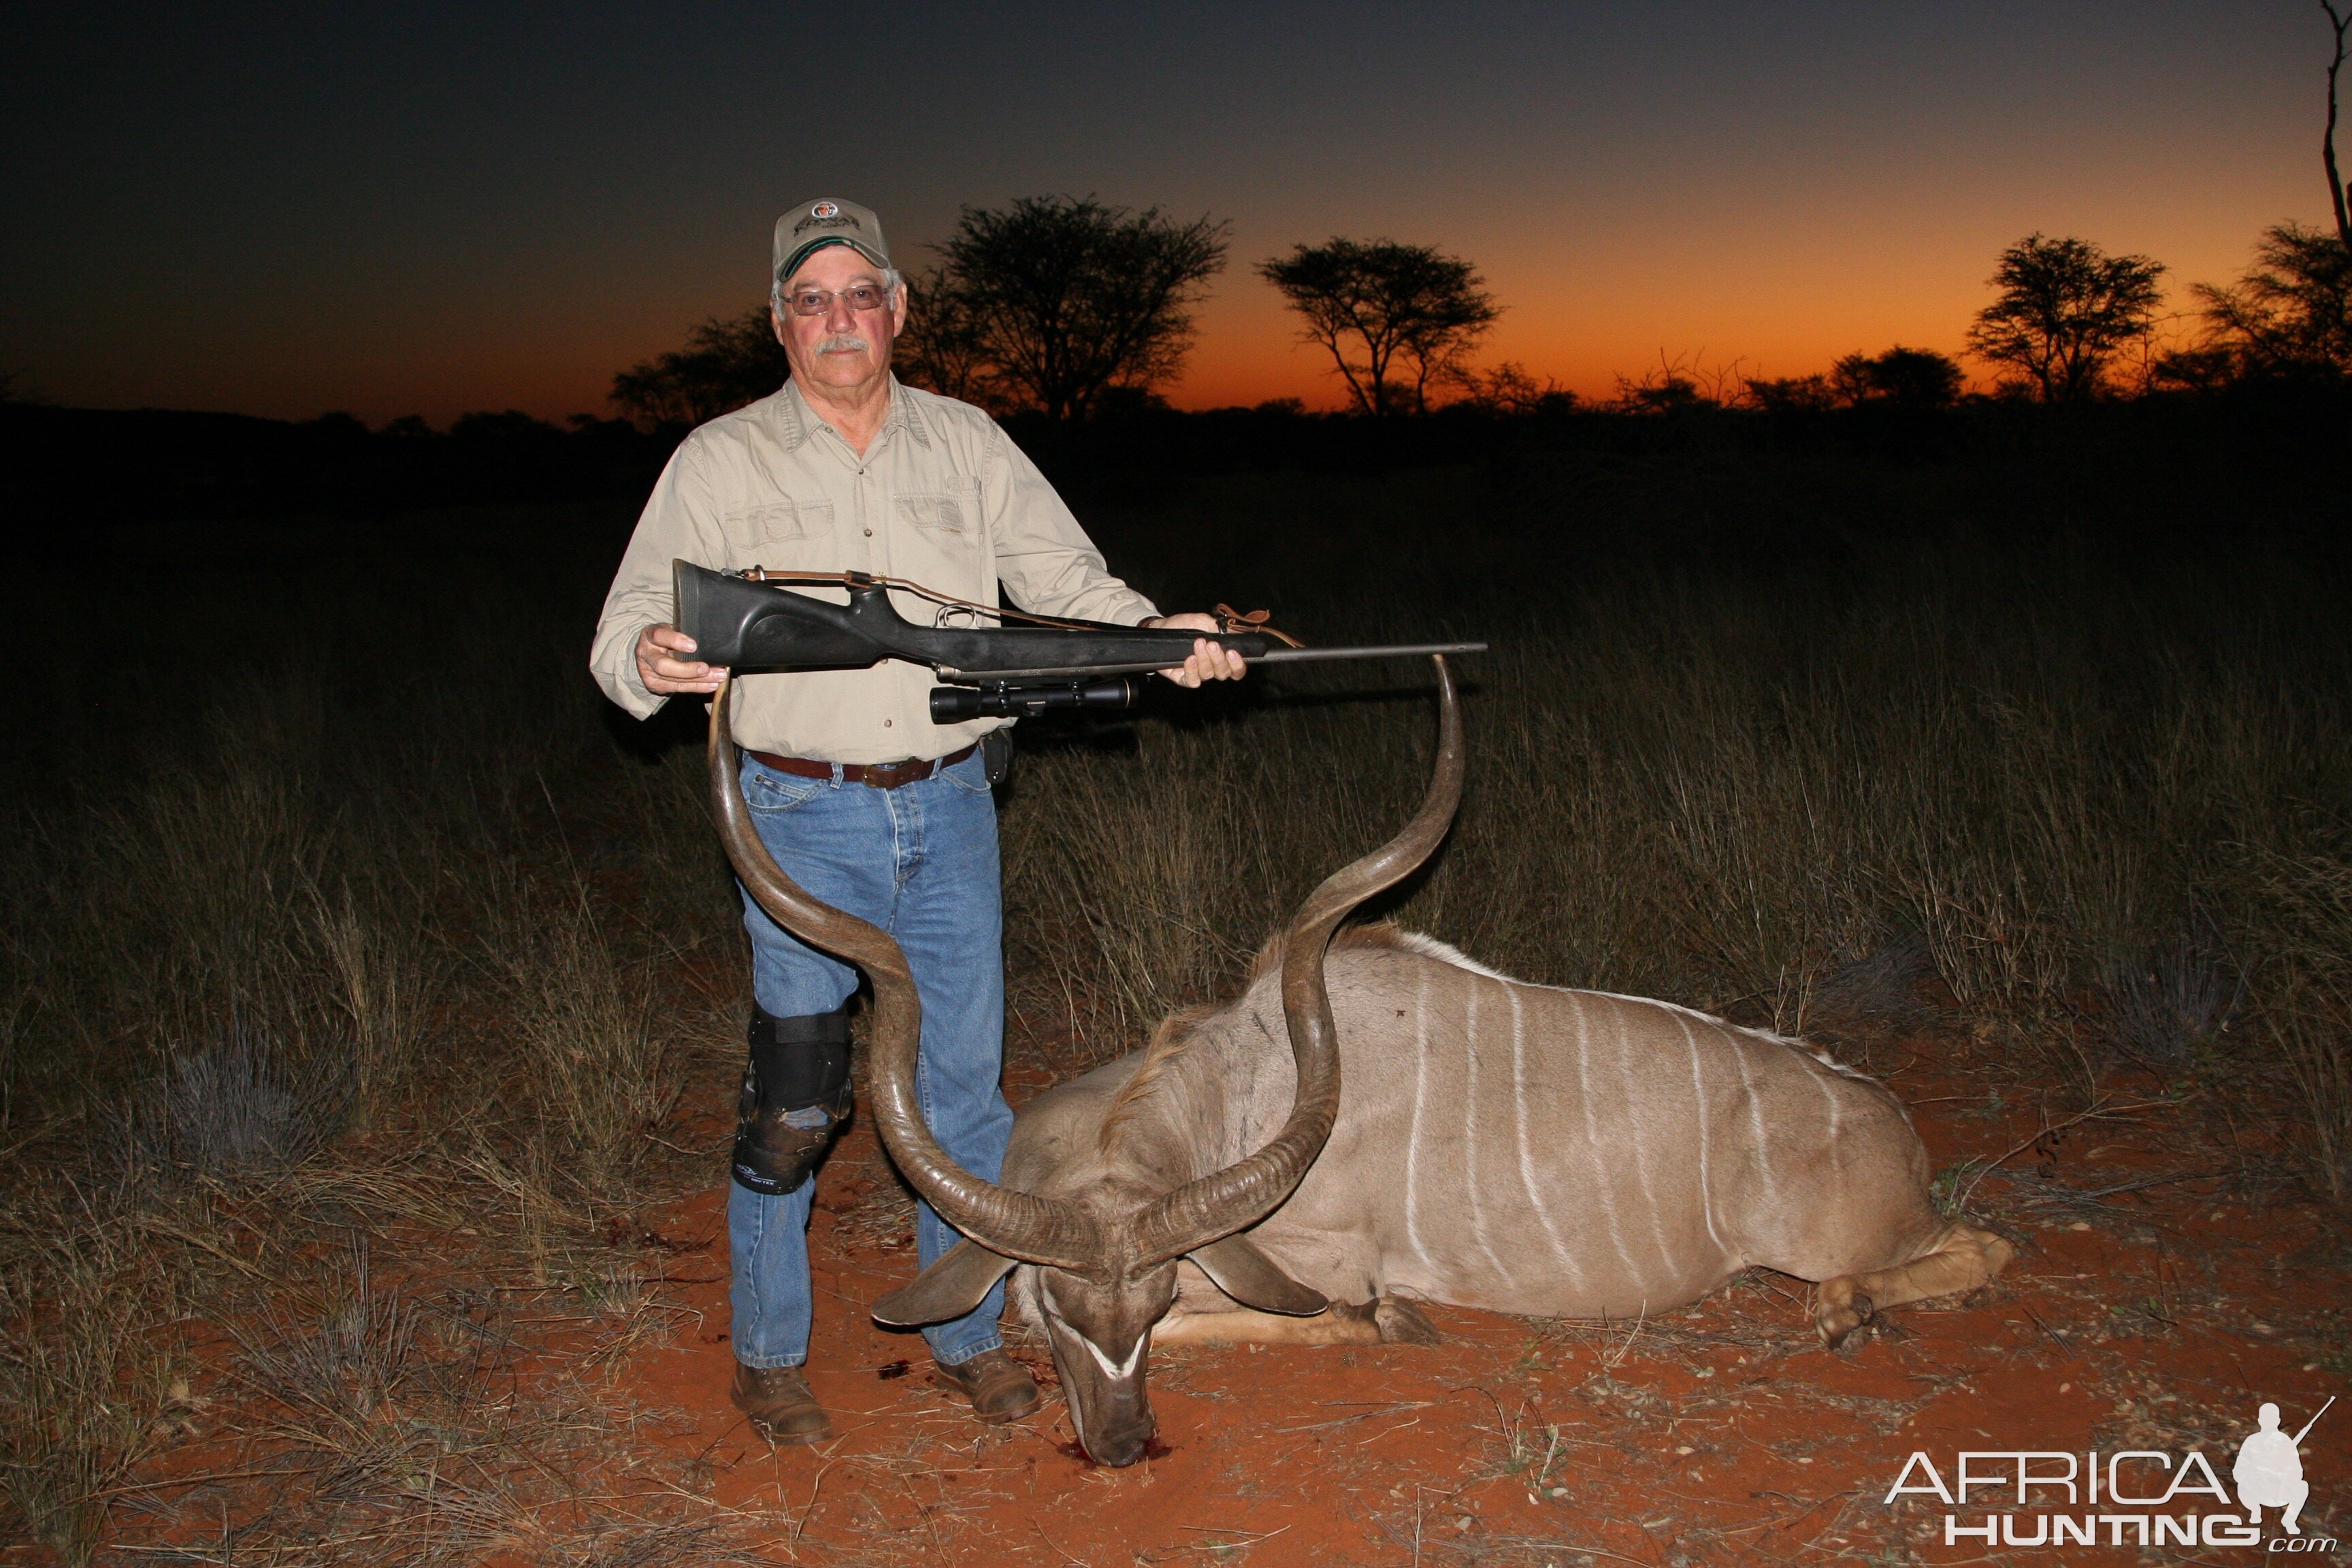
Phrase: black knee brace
(795,1097)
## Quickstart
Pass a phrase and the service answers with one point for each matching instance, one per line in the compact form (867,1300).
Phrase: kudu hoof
(1837,1322)
(1401,1323)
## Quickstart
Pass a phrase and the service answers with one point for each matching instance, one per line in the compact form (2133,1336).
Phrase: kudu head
(1106,1249)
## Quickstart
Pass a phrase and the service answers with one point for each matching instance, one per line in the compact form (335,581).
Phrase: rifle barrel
(1278,656)
(1380,650)
(2297,1439)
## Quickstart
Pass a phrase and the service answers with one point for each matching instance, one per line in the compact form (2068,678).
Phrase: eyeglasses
(862,297)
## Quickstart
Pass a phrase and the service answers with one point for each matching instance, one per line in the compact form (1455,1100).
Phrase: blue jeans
(919,861)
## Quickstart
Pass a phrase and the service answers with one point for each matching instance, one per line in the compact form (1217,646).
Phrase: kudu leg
(1388,1321)
(1962,1258)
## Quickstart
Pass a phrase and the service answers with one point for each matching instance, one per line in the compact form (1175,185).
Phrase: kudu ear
(1237,1268)
(952,1286)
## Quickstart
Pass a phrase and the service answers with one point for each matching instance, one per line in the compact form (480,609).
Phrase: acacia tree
(1393,302)
(727,362)
(1908,378)
(1062,298)
(2290,311)
(2066,310)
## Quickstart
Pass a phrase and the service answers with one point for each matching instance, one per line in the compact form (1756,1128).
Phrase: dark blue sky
(283,209)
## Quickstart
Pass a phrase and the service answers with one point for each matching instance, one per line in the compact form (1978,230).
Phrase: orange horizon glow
(1579,333)
(1583,332)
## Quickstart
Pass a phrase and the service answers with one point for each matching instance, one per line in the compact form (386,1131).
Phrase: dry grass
(1696,796)
(311,956)
(80,1378)
(2304,927)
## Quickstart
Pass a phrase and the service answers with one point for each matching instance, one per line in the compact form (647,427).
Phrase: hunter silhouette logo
(2269,1471)
(2133,1497)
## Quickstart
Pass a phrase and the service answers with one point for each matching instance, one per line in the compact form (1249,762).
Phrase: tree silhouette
(1908,378)
(1393,301)
(2290,311)
(2066,310)
(1789,394)
(726,364)
(1058,299)
(1508,388)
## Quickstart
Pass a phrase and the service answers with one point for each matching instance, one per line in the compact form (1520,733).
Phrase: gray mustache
(843,342)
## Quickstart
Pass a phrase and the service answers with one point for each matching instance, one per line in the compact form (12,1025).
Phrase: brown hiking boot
(780,1404)
(998,1387)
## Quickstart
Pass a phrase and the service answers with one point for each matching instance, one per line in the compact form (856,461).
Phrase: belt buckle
(890,776)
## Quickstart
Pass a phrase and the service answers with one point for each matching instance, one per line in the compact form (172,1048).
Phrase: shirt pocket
(779,523)
(951,515)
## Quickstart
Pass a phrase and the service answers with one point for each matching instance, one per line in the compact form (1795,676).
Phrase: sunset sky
(422,208)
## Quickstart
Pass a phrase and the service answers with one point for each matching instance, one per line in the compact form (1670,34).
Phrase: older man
(862,799)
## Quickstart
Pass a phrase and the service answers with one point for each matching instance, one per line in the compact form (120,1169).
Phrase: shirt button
(886,723)
(869,533)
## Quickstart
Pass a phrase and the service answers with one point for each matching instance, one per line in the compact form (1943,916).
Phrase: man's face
(843,346)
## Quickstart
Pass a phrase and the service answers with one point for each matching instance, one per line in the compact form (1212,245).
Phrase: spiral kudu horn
(1217,1205)
(1015,1225)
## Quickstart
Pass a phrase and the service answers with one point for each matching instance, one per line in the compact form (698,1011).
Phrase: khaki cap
(811,225)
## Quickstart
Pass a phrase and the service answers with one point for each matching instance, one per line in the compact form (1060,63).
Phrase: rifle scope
(1013,700)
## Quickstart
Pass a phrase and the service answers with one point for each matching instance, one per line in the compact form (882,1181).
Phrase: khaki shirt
(942,498)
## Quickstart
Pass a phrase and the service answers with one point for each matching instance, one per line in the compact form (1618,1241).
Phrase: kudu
(1502,1146)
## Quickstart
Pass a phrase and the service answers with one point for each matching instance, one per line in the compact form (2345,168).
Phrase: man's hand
(1210,661)
(666,663)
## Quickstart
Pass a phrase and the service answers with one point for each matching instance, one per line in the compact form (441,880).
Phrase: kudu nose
(1120,1448)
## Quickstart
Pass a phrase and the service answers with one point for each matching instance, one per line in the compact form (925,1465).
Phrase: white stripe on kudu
(1600,1183)
(1699,1105)
(1762,1135)
(1471,1111)
(1640,1148)
(1519,1121)
(1412,1138)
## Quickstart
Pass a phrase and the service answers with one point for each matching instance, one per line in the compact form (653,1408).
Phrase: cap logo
(823,210)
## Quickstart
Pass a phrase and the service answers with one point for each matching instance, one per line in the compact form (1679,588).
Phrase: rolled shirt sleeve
(679,523)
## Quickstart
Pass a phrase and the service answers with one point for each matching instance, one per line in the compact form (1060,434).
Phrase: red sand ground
(2148,1309)
(2156,1318)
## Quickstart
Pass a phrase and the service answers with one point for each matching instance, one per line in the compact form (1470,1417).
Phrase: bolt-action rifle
(753,620)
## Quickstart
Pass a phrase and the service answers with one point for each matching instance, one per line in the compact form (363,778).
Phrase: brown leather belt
(881,775)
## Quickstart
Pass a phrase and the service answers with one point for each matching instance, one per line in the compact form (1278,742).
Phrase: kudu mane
(1167,1042)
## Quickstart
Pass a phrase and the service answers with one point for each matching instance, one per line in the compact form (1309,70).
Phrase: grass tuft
(238,1108)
